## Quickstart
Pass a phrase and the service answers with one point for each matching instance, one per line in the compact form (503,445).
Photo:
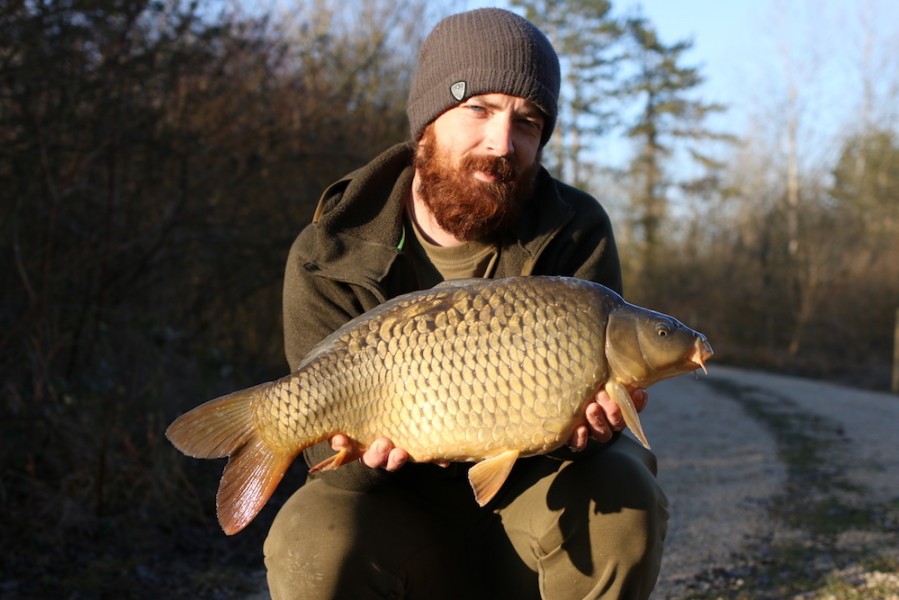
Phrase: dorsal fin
(440,293)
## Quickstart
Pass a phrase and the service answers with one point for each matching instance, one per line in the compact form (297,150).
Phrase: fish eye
(663,329)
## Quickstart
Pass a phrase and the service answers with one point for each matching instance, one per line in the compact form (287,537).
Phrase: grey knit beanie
(483,51)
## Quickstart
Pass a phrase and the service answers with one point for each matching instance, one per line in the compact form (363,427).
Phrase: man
(467,198)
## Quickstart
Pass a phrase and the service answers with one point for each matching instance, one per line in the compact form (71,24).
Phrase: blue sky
(746,48)
(750,51)
(722,33)
(754,53)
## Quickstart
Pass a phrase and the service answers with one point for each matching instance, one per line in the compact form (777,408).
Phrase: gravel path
(720,467)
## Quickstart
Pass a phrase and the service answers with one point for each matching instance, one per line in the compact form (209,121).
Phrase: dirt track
(748,460)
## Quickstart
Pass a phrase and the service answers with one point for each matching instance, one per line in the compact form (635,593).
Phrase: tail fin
(225,427)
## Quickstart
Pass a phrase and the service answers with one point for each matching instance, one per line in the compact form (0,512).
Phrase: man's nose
(498,138)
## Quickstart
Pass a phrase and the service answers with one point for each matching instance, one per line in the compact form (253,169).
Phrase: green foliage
(866,183)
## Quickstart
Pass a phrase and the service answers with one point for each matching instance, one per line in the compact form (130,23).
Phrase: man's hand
(603,418)
(381,453)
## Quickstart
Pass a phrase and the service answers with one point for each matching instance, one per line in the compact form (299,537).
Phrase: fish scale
(353,398)
(481,371)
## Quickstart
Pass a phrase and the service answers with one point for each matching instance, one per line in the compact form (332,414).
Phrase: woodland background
(157,158)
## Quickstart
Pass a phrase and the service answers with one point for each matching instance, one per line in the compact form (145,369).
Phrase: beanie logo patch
(457,90)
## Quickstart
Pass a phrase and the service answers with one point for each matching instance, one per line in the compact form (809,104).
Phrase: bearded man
(466,197)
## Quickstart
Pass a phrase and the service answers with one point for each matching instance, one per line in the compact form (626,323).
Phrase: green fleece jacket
(350,259)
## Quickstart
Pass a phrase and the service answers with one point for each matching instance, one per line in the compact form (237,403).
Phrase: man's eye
(531,125)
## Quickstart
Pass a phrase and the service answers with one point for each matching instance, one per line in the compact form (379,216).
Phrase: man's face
(476,164)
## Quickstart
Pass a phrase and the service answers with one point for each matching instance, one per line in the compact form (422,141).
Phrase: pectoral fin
(488,476)
(622,398)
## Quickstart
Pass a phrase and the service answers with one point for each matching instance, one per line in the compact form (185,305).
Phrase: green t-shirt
(435,263)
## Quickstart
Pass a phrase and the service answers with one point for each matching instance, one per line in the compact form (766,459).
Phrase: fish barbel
(482,371)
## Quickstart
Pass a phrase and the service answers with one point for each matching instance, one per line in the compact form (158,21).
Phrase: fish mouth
(702,351)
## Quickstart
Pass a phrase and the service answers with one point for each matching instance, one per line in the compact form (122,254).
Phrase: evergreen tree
(866,183)
(669,116)
(586,37)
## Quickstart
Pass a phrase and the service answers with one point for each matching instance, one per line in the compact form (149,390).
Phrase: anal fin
(488,476)
(249,480)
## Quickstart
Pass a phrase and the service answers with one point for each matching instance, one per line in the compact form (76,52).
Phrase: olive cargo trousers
(587,528)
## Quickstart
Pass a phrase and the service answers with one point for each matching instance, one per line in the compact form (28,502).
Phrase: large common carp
(480,370)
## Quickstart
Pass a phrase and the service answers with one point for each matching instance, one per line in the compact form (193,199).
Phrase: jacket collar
(364,211)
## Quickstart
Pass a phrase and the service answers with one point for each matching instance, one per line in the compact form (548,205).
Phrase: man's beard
(464,206)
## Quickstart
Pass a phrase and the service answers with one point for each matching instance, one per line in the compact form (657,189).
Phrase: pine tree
(586,38)
(669,117)
(866,183)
